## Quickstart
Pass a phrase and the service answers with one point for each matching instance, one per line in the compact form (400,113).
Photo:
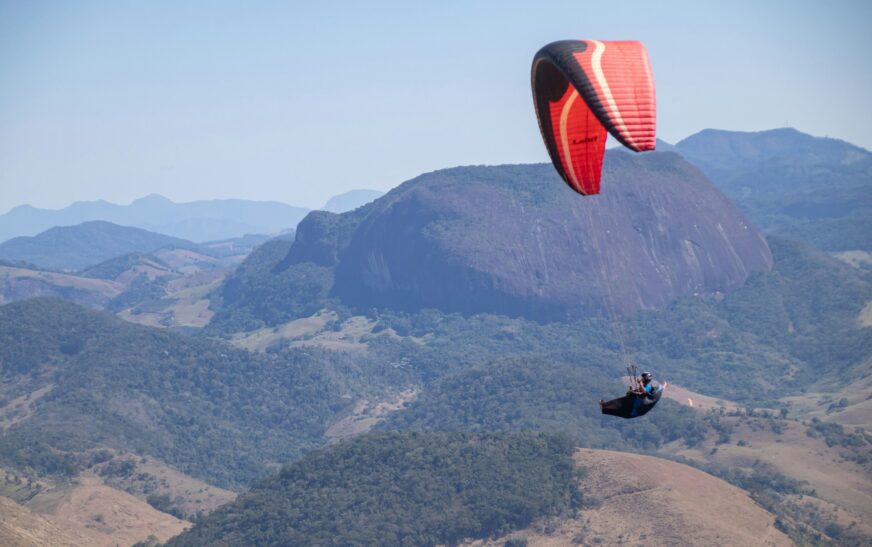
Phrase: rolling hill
(438,488)
(89,380)
(401,489)
(87,513)
(73,248)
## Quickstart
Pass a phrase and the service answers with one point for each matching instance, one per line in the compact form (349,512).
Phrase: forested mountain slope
(211,410)
(792,184)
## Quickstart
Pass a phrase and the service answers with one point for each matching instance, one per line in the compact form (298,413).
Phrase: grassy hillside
(20,527)
(20,283)
(487,489)
(401,489)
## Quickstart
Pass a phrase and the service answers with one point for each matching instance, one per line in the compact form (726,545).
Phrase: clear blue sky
(297,102)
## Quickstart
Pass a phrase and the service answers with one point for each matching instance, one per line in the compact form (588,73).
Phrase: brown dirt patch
(261,339)
(365,415)
(310,331)
(149,268)
(196,285)
(184,260)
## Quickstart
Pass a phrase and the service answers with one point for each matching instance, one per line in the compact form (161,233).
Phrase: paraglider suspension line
(616,322)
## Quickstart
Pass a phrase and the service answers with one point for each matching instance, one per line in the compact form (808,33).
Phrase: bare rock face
(515,240)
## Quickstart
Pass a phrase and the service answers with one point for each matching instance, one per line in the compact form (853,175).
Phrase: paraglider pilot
(638,401)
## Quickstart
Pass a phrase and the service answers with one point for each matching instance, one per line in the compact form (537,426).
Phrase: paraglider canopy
(586,89)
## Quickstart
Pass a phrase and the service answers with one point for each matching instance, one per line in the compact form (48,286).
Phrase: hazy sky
(296,102)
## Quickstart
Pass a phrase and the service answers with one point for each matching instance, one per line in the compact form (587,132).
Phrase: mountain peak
(513,240)
(24,208)
(152,199)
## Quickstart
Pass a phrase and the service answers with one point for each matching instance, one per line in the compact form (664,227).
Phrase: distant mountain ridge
(792,184)
(206,220)
(156,280)
(72,248)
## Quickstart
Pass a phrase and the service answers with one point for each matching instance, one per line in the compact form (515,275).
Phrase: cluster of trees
(402,489)
(30,451)
(854,445)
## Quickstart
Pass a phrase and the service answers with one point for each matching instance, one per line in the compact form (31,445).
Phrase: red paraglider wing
(581,89)
(620,77)
(578,141)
